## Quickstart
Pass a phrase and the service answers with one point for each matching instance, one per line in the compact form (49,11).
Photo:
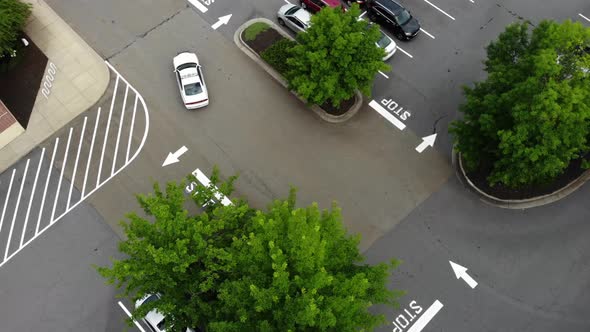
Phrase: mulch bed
(19,86)
(263,40)
(572,172)
(270,36)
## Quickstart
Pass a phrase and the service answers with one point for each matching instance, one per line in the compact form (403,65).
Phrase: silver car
(294,17)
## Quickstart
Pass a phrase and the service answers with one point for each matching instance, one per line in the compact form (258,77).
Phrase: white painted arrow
(222,20)
(461,273)
(173,157)
(426,141)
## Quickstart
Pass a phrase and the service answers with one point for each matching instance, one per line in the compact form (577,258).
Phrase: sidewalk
(81,77)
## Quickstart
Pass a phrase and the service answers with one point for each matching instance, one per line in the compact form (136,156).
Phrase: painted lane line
(440,10)
(404,52)
(90,155)
(362,14)
(106,133)
(22,238)
(206,182)
(388,116)
(46,184)
(287,1)
(382,73)
(584,17)
(120,127)
(6,200)
(426,317)
(199,6)
(472,1)
(131,130)
(426,32)
(76,163)
(129,314)
(63,169)
(20,193)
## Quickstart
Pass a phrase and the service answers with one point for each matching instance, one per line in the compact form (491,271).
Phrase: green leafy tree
(335,57)
(530,117)
(13,17)
(234,268)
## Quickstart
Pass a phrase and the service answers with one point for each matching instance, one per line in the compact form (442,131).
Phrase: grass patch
(252,31)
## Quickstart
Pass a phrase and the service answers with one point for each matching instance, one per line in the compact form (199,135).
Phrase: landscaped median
(266,43)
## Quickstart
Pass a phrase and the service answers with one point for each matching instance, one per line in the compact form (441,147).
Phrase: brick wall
(6,118)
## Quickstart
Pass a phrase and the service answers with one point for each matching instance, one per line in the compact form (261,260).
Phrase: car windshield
(151,298)
(384,41)
(292,10)
(193,89)
(162,325)
(186,65)
(403,16)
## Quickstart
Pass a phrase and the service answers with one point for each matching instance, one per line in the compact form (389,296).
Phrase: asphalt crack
(143,35)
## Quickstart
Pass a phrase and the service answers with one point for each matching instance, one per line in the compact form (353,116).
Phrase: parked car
(403,25)
(294,17)
(190,80)
(361,3)
(154,320)
(387,44)
(315,6)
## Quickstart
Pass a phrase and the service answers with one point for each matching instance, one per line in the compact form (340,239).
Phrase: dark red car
(315,6)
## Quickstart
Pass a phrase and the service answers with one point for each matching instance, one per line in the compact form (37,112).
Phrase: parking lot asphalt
(531,266)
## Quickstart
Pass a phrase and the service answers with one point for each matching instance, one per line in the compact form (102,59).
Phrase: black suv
(399,19)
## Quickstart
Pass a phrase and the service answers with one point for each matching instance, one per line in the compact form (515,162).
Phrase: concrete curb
(279,78)
(516,203)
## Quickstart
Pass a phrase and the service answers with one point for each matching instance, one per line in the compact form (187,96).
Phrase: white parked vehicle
(191,82)
(387,44)
(294,17)
(154,320)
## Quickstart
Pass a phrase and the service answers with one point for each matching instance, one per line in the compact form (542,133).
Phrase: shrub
(278,53)
(13,17)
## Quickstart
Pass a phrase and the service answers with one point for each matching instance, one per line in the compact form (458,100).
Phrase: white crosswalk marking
(73,165)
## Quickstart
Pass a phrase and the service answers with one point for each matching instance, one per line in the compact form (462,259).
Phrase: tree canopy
(235,268)
(530,117)
(336,56)
(13,16)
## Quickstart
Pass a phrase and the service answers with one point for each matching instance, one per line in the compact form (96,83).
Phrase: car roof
(155,318)
(332,3)
(303,15)
(393,6)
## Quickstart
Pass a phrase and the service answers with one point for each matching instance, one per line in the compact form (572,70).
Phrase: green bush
(278,53)
(252,31)
(13,17)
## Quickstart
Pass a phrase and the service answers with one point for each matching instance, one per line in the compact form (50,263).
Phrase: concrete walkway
(80,77)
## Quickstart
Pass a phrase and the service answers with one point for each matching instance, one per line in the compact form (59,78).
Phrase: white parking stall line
(199,5)
(287,1)
(131,129)
(46,185)
(22,238)
(120,127)
(404,52)
(61,177)
(584,17)
(382,73)
(388,116)
(54,186)
(76,163)
(7,198)
(362,14)
(90,154)
(129,314)
(440,10)
(106,135)
(427,33)
(20,193)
